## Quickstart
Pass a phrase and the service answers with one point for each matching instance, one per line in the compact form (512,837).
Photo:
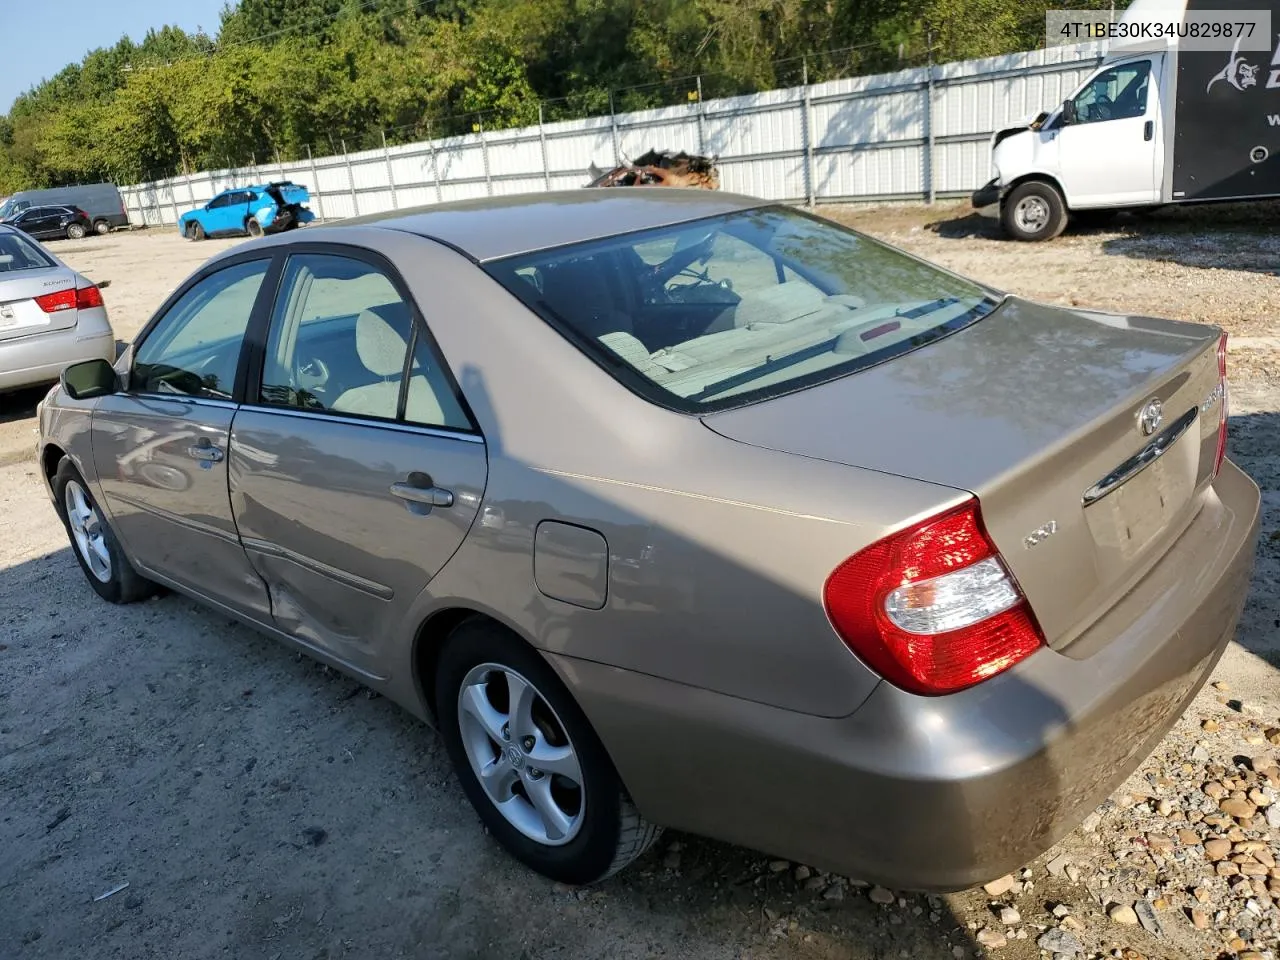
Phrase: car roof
(491,228)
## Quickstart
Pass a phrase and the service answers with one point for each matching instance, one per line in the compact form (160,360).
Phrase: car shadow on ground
(21,404)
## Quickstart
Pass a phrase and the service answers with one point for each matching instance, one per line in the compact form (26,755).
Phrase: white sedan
(50,315)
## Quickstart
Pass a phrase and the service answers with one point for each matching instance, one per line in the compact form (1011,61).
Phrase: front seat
(382,340)
(579,291)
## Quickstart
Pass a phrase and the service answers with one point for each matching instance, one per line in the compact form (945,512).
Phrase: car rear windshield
(19,253)
(720,312)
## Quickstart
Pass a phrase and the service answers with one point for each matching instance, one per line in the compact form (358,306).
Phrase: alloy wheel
(521,754)
(88,531)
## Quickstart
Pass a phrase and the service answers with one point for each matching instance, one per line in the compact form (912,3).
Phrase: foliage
(285,76)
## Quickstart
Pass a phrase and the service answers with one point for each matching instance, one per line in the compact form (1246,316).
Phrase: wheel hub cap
(1032,213)
(521,754)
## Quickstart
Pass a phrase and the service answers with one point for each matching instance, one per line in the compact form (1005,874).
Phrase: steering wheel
(312,374)
(1103,109)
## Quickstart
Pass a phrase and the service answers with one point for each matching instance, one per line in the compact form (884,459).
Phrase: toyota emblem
(1150,417)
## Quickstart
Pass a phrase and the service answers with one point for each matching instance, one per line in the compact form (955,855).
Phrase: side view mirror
(1068,111)
(89,379)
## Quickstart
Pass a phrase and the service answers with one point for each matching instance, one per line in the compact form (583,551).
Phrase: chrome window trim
(443,433)
(181,398)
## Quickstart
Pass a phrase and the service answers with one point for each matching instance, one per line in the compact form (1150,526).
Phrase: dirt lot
(259,805)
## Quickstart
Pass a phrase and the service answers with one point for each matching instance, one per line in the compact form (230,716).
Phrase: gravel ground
(260,805)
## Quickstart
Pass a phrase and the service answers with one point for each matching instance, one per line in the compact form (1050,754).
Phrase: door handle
(205,452)
(420,493)
(1148,130)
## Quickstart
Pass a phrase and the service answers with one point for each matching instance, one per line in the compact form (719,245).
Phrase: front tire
(195,231)
(529,762)
(92,540)
(253,227)
(1034,211)
(76,231)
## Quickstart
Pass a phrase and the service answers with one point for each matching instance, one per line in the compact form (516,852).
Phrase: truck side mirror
(1068,111)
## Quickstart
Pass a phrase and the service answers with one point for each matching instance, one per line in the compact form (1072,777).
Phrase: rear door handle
(1148,130)
(420,492)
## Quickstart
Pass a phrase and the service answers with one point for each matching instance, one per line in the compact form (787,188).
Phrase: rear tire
(1034,211)
(592,829)
(76,231)
(93,541)
(254,227)
(102,227)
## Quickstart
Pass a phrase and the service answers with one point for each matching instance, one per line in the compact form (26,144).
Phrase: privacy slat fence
(914,134)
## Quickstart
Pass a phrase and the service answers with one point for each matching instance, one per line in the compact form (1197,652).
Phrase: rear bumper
(947,792)
(41,358)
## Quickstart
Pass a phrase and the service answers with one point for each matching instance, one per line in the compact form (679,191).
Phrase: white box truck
(1146,129)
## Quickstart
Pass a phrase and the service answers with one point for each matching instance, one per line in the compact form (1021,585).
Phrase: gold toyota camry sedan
(679,508)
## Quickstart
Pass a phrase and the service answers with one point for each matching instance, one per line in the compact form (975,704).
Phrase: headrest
(379,344)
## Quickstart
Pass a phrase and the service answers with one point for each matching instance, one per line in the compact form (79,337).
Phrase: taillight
(87,297)
(53,302)
(933,609)
(1222,416)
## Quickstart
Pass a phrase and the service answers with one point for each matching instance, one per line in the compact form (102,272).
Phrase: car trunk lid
(20,312)
(1037,411)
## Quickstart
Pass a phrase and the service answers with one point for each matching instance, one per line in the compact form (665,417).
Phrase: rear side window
(18,253)
(716,313)
(344,342)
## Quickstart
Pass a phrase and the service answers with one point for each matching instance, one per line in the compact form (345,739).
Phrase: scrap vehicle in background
(661,169)
(51,223)
(101,201)
(1146,129)
(255,211)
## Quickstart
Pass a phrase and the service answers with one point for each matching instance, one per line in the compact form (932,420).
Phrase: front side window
(1116,94)
(343,341)
(194,349)
(715,313)
(19,253)
(223,200)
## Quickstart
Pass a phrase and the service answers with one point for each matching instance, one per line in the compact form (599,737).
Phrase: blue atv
(269,208)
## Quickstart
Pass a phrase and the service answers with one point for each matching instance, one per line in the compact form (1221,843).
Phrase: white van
(1145,129)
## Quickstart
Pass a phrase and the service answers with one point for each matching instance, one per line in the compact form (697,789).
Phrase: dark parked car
(52,223)
(101,201)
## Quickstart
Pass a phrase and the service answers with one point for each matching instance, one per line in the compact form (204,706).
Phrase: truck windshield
(716,313)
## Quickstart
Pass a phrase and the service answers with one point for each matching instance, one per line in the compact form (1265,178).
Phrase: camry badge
(1150,417)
